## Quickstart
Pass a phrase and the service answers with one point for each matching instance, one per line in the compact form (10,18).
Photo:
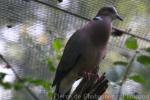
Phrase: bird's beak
(119,17)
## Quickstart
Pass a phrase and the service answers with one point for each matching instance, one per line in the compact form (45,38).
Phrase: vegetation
(131,44)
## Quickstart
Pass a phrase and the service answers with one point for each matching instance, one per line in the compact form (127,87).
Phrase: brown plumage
(85,49)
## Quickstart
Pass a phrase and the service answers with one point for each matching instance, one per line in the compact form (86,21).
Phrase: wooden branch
(90,89)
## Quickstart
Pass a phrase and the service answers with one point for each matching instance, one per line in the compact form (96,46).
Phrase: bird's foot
(89,76)
(101,77)
(98,78)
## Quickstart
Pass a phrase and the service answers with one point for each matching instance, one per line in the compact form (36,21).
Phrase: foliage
(143,59)
(2,75)
(120,63)
(6,85)
(131,43)
(147,49)
(57,44)
(51,66)
(138,78)
(128,97)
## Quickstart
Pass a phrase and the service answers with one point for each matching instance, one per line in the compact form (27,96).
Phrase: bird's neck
(101,30)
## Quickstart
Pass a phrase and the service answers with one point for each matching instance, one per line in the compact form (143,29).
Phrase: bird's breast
(90,58)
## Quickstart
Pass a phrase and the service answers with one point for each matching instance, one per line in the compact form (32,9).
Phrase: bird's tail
(58,95)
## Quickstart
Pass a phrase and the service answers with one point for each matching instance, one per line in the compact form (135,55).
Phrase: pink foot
(98,78)
(86,75)
(89,75)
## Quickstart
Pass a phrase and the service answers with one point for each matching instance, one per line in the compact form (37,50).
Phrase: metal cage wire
(50,19)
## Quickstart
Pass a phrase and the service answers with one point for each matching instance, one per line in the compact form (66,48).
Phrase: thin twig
(18,77)
(126,75)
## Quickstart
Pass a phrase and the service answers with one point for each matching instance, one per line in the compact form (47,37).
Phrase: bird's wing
(70,57)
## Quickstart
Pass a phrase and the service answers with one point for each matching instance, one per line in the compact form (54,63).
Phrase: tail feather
(59,96)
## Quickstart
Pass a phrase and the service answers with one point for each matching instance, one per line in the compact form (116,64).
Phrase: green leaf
(131,43)
(37,82)
(129,97)
(46,85)
(138,78)
(57,44)
(2,75)
(148,49)
(18,85)
(51,66)
(120,63)
(59,56)
(6,85)
(143,59)
(50,94)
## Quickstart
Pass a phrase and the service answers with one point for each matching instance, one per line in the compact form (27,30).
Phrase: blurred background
(33,34)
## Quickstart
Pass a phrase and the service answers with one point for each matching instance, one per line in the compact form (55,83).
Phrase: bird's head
(109,11)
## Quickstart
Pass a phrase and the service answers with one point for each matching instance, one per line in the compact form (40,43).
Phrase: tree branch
(126,75)
(90,89)
(18,77)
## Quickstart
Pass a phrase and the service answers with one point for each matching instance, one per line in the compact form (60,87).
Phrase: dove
(85,49)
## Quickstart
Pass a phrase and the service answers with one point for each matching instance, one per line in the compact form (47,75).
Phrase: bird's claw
(101,77)
(98,78)
(89,76)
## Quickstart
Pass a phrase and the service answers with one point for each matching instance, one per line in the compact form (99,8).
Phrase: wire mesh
(35,23)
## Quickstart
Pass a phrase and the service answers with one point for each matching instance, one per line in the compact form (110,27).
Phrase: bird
(84,50)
